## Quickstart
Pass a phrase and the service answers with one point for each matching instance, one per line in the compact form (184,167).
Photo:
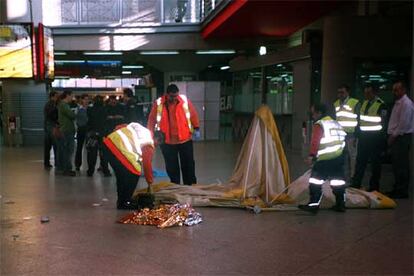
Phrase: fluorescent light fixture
(126,72)
(60,54)
(159,52)
(280,65)
(262,50)
(132,66)
(224,67)
(215,52)
(102,53)
(69,61)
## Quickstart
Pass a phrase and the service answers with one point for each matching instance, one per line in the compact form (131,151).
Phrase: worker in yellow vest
(371,138)
(129,150)
(346,111)
(327,160)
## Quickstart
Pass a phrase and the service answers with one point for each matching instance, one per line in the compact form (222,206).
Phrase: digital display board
(16,60)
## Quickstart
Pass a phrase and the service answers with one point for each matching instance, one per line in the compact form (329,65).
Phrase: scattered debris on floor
(27,218)
(96,204)
(44,219)
(9,202)
(15,237)
(164,216)
(105,199)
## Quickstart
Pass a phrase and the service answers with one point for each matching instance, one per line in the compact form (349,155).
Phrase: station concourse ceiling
(252,18)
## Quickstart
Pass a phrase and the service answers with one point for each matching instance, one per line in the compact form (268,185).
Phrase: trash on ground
(44,219)
(105,199)
(96,204)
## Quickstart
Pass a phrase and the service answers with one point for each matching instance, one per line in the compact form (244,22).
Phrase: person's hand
(196,135)
(309,161)
(149,189)
(391,140)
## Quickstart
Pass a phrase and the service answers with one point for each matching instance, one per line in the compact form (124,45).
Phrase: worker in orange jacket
(174,122)
(129,150)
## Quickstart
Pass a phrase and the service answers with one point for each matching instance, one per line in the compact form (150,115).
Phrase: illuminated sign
(46,53)
(16,51)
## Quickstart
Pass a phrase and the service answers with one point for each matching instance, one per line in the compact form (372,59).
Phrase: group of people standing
(89,121)
(116,132)
(359,133)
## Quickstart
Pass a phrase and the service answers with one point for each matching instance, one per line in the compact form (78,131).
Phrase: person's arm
(152,118)
(147,153)
(193,116)
(68,112)
(317,133)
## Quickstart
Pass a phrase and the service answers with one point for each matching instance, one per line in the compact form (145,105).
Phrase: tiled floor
(81,239)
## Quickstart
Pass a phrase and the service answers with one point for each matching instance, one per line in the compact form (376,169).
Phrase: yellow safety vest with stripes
(371,121)
(129,139)
(332,143)
(185,107)
(346,115)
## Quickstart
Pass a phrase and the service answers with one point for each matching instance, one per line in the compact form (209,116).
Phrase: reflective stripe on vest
(333,141)
(371,121)
(126,141)
(186,112)
(345,114)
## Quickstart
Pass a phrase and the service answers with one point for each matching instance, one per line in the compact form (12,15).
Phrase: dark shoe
(48,166)
(129,205)
(311,209)
(90,174)
(69,173)
(339,208)
(77,169)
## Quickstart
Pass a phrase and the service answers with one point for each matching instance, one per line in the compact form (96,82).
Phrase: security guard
(347,109)
(129,148)
(326,155)
(371,138)
(174,120)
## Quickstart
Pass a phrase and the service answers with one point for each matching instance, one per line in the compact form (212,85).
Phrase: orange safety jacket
(185,118)
(132,145)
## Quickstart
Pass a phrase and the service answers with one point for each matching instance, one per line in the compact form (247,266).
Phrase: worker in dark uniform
(371,138)
(133,111)
(327,160)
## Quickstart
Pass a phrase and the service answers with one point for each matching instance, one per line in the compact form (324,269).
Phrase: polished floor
(82,238)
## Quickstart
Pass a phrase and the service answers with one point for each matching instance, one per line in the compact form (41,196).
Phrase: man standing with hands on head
(173,121)
(400,130)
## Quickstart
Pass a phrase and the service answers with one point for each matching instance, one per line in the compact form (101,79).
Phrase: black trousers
(80,141)
(176,155)
(126,182)
(370,148)
(49,143)
(400,151)
(92,156)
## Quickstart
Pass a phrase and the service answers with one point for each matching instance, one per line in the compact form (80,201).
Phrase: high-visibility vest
(183,117)
(346,115)
(332,143)
(126,142)
(370,121)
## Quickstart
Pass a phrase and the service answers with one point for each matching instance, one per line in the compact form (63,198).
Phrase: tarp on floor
(261,178)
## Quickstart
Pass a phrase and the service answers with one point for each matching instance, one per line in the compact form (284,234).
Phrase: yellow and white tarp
(261,178)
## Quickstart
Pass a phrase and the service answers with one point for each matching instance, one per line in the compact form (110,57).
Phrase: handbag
(57,133)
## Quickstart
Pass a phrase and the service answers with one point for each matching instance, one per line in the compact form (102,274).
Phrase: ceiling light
(132,66)
(102,53)
(262,50)
(126,72)
(224,67)
(159,52)
(60,54)
(215,52)
(69,61)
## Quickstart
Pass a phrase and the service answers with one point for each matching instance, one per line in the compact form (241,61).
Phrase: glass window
(279,78)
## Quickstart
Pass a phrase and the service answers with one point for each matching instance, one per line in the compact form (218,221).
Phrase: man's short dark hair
(172,89)
(112,97)
(403,83)
(345,86)
(321,108)
(84,95)
(52,94)
(128,92)
(66,93)
(373,86)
